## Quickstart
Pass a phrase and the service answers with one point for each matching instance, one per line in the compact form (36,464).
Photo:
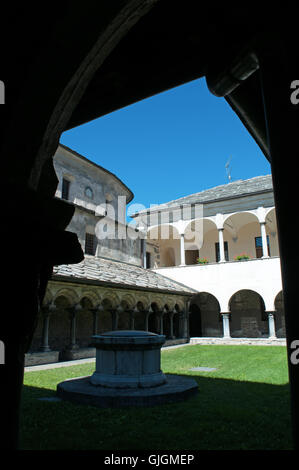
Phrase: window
(191,256)
(88,192)
(259,246)
(65,189)
(218,251)
(148,260)
(90,244)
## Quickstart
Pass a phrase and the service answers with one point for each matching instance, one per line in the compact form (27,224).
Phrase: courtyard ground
(243,404)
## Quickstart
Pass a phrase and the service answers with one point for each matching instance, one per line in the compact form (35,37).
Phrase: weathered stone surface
(128,359)
(177,388)
(74,354)
(41,358)
(118,273)
(235,188)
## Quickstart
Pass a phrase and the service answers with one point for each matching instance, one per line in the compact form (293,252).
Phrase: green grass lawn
(244,404)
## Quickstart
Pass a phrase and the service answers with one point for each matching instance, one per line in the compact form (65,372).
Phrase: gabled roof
(234,189)
(102,271)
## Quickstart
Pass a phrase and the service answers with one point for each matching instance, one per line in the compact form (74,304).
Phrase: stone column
(264,240)
(271,322)
(182,250)
(73,313)
(95,314)
(171,315)
(221,246)
(96,311)
(115,314)
(147,314)
(132,318)
(226,327)
(161,314)
(46,311)
(184,324)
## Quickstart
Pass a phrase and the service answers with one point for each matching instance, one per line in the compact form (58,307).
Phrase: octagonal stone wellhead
(128,359)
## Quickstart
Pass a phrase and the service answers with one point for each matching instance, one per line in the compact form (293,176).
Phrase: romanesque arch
(248,318)
(204,316)
(239,229)
(154,319)
(168,238)
(85,321)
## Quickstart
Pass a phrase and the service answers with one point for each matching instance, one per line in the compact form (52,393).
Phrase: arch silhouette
(248,316)
(204,316)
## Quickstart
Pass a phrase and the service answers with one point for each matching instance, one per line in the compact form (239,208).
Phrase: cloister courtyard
(243,404)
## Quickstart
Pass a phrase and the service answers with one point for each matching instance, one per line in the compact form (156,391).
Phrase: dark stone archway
(195,328)
(205,316)
(58,75)
(248,317)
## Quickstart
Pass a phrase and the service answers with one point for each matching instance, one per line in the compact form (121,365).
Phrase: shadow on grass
(225,414)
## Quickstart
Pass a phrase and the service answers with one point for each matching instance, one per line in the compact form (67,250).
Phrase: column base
(45,349)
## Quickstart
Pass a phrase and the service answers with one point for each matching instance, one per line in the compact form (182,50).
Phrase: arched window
(88,192)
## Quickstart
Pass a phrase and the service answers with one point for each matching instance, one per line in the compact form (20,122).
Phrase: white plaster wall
(225,279)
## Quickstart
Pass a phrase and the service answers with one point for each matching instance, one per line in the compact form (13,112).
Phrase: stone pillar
(161,322)
(226,327)
(171,315)
(132,318)
(96,311)
(271,321)
(46,311)
(264,240)
(73,313)
(182,250)
(115,312)
(147,314)
(221,246)
(184,330)
(95,314)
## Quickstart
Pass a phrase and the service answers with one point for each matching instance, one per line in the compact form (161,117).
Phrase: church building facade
(223,243)
(110,289)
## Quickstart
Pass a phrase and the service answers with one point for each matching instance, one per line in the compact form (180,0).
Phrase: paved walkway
(200,340)
(252,341)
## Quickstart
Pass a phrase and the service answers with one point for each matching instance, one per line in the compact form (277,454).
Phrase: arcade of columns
(163,313)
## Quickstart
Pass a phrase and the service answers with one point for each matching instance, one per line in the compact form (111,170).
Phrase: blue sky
(171,145)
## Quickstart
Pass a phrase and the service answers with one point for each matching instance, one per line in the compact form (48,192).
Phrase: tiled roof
(229,190)
(116,273)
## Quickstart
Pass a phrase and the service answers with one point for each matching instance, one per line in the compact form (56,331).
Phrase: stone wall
(105,209)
